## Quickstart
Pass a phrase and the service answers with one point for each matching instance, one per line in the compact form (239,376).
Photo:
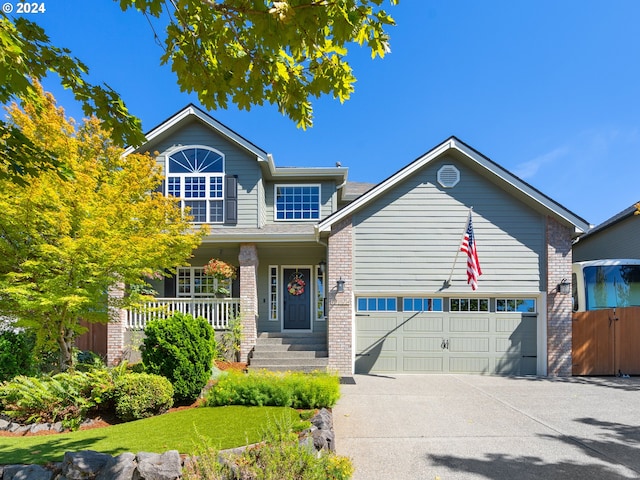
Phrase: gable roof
(617,218)
(486,166)
(190,112)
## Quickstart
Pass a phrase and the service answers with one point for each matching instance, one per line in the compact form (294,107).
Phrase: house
(371,273)
(617,237)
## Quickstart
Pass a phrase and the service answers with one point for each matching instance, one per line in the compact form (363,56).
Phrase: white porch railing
(217,311)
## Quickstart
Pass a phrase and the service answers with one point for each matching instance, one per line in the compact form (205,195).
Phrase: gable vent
(448,176)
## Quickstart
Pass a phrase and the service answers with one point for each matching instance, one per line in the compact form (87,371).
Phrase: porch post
(248,259)
(559,321)
(115,325)
(340,317)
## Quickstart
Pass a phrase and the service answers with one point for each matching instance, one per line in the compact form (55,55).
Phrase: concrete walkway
(483,427)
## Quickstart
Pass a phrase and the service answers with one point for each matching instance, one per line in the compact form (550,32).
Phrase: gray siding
(327,198)
(621,240)
(237,162)
(406,241)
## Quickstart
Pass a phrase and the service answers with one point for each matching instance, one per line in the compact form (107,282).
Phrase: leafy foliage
(180,348)
(141,395)
(281,52)
(291,389)
(66,242)
(65,397)
(26,57)
(16,354)
(229,345)
(279,457)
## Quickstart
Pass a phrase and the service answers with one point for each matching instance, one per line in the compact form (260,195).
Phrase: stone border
(91,465)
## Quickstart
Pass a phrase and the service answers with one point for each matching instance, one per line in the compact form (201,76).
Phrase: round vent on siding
(448,176)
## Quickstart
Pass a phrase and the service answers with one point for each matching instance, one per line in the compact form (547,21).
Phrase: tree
(26,56)
(280,52)
(65,242)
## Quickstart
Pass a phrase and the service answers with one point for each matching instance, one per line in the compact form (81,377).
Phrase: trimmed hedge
(290,389)
(141,395)
(180,348)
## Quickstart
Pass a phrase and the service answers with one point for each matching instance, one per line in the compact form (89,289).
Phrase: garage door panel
(422,344)
(387,344)
(376,324)
(495,342)
(469,344)
(468,324)
(422,364)
(469,364)
(421,323)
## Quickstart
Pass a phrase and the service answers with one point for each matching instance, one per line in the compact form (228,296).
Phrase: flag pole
(447,283)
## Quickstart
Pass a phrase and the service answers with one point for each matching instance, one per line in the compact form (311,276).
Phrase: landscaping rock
(40,427)
(323,420)
(119,468)
(26,472)
(83,465)
(152,466)
(4,425)
(324,440)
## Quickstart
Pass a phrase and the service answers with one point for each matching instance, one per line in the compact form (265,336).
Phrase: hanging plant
(219,269)
(296,284)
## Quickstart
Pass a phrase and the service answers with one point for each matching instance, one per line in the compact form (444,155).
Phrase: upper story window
(297,202)
(195,175)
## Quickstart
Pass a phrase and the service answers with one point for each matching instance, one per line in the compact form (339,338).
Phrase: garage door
(443,342)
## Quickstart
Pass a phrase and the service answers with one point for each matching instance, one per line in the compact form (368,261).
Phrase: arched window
(196,176)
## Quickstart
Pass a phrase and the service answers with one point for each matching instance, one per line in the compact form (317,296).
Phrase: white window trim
(274,293)
(318,275)
(207,176)
(293,185)
(192,284)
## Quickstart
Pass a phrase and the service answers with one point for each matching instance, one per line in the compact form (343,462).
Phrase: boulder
(323,420)
(26,472)
(83,465)
(153,466)
(119,468)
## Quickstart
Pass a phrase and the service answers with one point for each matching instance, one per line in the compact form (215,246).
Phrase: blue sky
(548,89)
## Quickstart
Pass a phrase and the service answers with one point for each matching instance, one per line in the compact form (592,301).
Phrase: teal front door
(297,290)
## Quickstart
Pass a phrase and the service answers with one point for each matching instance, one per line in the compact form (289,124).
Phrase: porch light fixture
(322,266)
(564,287)
(340,285)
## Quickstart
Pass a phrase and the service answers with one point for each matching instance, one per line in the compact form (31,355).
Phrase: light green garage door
(444,342)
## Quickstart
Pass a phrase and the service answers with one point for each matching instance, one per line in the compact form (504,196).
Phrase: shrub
(141,395)
(279,457)
(291,389)
(65,397)
(181,349)
(16,354)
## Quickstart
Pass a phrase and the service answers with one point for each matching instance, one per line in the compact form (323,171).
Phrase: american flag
(469,247)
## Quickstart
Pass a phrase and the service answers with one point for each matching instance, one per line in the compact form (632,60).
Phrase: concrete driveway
(484,427)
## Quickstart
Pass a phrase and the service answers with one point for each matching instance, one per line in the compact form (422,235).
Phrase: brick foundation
(340,315)
(559,306)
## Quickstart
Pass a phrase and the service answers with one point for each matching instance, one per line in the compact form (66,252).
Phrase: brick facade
(248,259)
(116,325)
(559,306)
(340,317)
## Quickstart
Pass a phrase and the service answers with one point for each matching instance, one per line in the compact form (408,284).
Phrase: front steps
(300,352)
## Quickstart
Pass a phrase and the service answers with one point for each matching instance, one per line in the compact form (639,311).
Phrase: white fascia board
(454,144)
(579,224)
(210,121)
(261,238)
(382,187)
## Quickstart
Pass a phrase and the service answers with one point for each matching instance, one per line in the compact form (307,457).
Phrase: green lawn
(224,427)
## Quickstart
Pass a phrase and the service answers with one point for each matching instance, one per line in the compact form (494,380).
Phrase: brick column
(116,325)
(340,316)
(559,306)
(248,258)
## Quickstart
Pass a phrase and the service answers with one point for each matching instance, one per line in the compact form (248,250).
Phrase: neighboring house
(374,259)
(617,237)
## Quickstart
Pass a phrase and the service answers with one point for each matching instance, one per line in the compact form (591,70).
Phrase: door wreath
(296,284)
